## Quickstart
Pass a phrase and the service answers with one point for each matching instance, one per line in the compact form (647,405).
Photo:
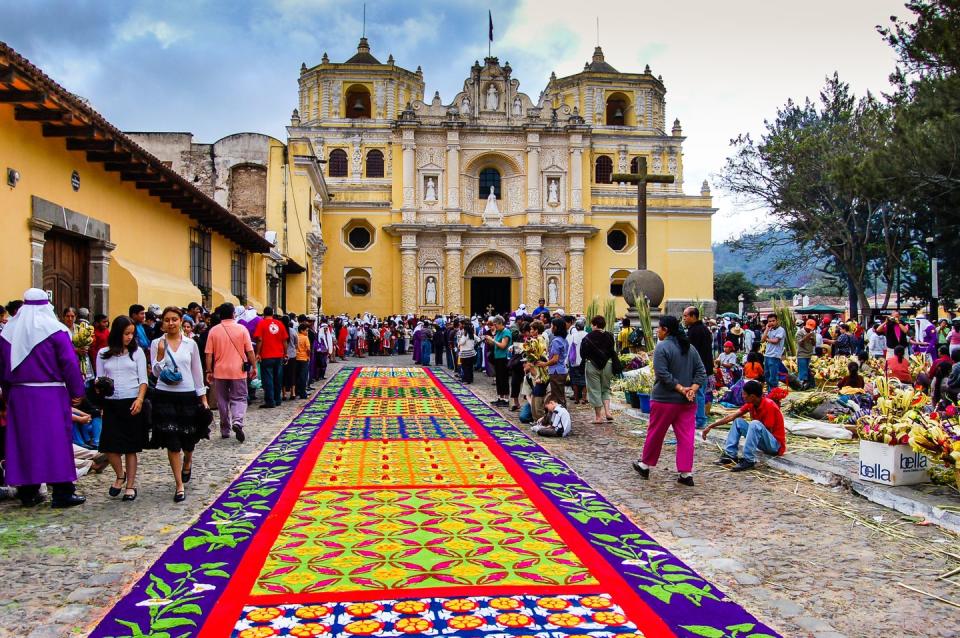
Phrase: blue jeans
(803,370)
(272,372)
(758,437)
(450,358)
(426,349)
(771,371)
(88,435)
(701,418)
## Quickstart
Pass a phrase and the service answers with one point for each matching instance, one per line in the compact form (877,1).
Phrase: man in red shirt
(764,431)
(271,337)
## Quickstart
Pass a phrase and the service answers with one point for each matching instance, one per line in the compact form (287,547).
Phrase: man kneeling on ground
(764,431)
(556,422)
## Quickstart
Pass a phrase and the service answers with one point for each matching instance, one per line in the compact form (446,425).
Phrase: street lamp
(934,283)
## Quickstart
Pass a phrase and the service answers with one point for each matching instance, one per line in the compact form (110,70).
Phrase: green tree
(727,288)
(815,169)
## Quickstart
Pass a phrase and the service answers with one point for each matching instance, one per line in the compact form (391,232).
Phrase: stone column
(576,174)
(453,176)
(575,275)
(533,172)
(409,172)
(408,273)
(533,251)
(38,230)
(100,276)
(454,274)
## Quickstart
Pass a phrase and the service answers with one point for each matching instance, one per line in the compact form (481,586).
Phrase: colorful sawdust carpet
(398,503)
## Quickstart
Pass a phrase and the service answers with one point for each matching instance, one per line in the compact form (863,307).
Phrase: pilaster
(38,231)
(533,251)
(576,172)
(533,172)
(577,247)
(408,272)
(100,276)
(454,274)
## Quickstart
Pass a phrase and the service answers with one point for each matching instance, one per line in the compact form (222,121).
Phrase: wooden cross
(490,310)
(641,178)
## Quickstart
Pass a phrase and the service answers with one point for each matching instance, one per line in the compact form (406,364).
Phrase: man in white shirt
(876,343)
(556,423)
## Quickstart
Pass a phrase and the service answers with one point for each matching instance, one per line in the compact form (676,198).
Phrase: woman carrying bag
(600,358)
(181,414)
(123,434)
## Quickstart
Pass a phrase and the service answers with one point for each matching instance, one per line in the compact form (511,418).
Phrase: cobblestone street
(806,559)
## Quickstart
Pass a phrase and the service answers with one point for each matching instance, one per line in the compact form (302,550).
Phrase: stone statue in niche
(493,98)
(552,291)
(431,190)
(465,106)
(517,107)
(491,204)
(553,192)
(431,291)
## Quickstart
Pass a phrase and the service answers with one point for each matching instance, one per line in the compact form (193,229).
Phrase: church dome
(598,65)
(363,55)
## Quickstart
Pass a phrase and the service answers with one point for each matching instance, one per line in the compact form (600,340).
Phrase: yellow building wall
(382,258)
(151,262)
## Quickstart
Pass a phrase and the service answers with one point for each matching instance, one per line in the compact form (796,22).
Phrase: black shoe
(32,501)
(179,497)
(743,465)
(265,405)
(71,501)
(114,492)
(644,473)
(685,480)
(186,474)
(514,408)
(241,437)
(224,435)
(130,497)
(727,460)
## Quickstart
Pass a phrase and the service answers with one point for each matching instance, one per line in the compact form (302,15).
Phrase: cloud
(139,26)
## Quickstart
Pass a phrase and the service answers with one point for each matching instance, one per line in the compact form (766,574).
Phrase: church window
(358,234)
(358,103)
(617,110)
(604,169)
(635,165)
(375,163)
(616,282)
(489,177)
(338,163)
(617,239)
(357,282)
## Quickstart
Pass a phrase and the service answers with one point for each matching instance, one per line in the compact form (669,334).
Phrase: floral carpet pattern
(398,503)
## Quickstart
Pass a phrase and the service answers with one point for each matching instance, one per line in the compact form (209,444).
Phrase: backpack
(572,355)
(635,338)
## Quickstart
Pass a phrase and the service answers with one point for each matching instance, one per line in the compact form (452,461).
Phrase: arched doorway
(492,279)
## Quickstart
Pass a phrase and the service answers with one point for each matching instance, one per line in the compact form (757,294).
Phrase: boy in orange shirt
(303,360)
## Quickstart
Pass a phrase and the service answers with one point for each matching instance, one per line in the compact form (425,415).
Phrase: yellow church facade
(493,199)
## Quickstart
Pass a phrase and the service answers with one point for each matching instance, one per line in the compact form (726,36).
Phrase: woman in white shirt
(123,434)
(467,347)
(176,405)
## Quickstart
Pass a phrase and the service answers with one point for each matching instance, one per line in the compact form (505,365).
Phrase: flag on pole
(490,15)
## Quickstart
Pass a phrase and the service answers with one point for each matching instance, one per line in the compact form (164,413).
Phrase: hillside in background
(761,269)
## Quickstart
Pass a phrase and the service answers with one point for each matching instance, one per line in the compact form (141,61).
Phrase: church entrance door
(487,292)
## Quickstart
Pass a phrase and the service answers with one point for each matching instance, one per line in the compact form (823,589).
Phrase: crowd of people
(82,393)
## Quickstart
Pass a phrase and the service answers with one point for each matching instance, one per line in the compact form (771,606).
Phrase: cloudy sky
(215,67)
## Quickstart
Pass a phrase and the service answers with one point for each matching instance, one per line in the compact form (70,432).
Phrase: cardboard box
(892,464)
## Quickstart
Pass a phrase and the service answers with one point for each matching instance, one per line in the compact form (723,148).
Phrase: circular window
(359,237)
(358,287)
(617,239)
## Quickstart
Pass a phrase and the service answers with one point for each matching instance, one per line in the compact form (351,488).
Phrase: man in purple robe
(40,378)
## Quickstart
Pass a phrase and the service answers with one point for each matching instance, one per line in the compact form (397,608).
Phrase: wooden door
(66,270)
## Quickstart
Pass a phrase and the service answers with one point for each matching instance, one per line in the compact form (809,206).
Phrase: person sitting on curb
(765,430)
(556,423)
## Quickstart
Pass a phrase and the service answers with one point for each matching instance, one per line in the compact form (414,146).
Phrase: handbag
(171,377)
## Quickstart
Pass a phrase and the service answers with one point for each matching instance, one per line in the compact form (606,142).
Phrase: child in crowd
(726,365)
(556,423)
(754,366)
(765,431)
(853,378)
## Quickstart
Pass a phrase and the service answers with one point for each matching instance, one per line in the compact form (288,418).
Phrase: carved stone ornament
(491,264)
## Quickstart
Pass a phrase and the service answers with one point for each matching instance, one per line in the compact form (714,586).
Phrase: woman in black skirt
(177,401)
(123,434)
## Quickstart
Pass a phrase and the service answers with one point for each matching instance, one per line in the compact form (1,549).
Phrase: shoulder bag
(168,375)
